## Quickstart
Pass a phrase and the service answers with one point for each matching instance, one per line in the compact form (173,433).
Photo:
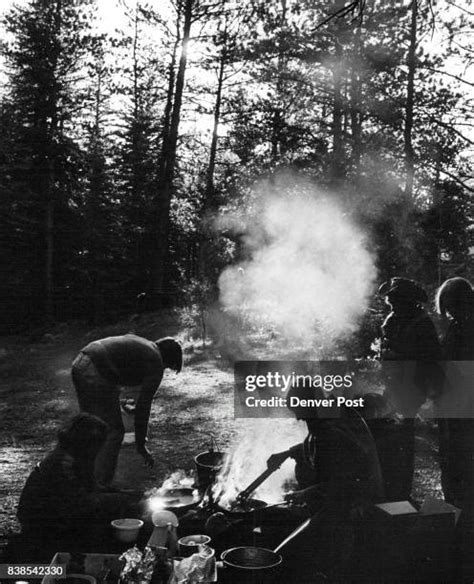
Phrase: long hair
(455,296)
(82,434)
(171,353)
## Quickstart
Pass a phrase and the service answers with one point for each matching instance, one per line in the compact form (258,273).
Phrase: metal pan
(245,509)
(180,499)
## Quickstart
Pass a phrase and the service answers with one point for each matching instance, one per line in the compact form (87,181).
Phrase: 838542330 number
(13,571)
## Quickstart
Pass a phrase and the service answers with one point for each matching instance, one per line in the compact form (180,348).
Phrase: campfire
(243,464)
(247,460)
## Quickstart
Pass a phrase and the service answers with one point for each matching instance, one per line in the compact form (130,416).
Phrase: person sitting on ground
(340,453)
(60,501)
(105,365)
(338,457)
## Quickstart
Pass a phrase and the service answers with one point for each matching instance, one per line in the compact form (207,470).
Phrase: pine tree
(44,60)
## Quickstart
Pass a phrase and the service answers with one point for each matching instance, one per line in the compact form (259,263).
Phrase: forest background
(131,130)
(246,170)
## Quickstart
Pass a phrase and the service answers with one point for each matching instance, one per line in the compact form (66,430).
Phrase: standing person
(410,349)
(455,301)
(101,368)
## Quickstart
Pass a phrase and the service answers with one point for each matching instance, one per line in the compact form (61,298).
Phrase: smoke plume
(305,269)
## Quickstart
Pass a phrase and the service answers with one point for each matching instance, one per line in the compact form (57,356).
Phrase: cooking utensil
(189,544)
(256,558)
(180,499)
(251,558)
(293,534)
(243,510)
(164,533)
(280,504)
(126,530)
(243,495)
(209,463)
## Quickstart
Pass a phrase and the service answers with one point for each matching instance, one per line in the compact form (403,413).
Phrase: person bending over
(101,368)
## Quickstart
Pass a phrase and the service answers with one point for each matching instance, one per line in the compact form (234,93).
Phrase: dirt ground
(36,396)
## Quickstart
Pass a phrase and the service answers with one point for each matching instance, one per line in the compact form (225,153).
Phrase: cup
(189,544)
(126,530)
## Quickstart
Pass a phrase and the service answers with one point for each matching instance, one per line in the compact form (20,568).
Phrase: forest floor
(37,396)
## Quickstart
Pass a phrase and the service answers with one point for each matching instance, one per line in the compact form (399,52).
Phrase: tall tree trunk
(49,258)
(215,130)
(96,188)
(355,101)
(337,162)
(165,181)
(204,240)
(135,63)
(277,118)
(50,128)
(407,134)
(165,132)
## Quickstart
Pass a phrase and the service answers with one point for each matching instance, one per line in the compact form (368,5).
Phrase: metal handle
(213,445)
(293,534)
(243,495)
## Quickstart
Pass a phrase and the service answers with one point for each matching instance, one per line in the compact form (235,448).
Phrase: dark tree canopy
(119,149)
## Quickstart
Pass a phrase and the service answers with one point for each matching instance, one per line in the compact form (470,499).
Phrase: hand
(276,460)
(147,457)
(296,498)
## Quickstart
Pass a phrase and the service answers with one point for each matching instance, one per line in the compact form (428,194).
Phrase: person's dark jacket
(409,336)
(343,456)
(458,343)
(410,339)
(60,494)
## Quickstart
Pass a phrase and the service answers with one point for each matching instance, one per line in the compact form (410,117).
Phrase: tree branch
(448,74)
(460,7)
(453,176)
(450,127)
(351,7)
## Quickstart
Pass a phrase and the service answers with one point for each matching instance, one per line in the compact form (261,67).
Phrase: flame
(247,459)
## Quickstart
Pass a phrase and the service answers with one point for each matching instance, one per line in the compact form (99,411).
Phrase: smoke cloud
(305,269)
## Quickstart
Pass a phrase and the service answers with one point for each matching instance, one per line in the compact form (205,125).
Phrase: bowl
(126,530)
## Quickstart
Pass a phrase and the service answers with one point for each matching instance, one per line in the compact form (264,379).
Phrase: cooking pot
(256,565)
(177,500)
(250,565)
